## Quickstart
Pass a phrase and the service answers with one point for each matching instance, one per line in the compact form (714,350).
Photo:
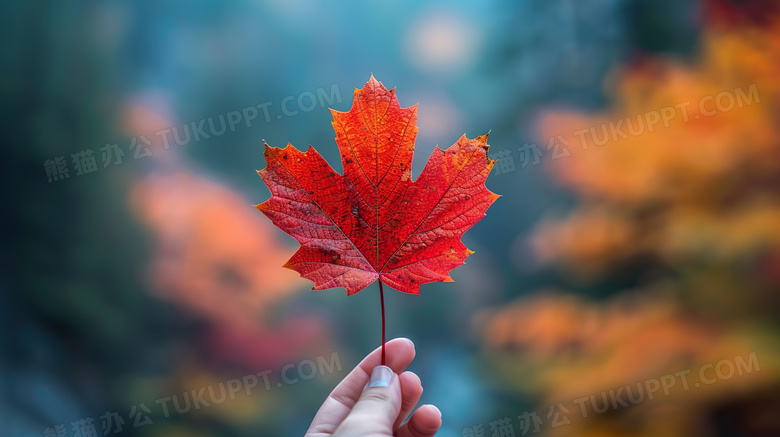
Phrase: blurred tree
(683,201)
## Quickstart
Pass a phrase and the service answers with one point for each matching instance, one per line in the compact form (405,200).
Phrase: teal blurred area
(143,295)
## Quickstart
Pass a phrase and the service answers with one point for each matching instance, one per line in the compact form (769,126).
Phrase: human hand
(374,400)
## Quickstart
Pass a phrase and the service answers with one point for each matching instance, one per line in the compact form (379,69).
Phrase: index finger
(399,353)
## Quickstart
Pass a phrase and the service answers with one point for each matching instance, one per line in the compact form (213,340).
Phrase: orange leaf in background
(374,222)
(209,248)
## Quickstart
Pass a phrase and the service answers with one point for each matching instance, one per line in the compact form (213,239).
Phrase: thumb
(377,409)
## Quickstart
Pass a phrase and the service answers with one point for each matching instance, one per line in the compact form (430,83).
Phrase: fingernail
(380,376)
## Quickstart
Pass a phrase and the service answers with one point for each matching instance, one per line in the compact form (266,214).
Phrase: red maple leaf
(374,222)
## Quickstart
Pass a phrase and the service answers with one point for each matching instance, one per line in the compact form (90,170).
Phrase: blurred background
(627,282)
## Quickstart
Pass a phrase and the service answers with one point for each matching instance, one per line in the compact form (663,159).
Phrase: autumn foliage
(374,222)
(689,212)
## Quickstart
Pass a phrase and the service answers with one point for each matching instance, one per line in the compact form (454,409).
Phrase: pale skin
(354,410)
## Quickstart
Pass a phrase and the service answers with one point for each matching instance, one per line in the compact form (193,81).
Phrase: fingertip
(428,418)
(425,422)
(433,409)
(403,342)
(409,376)
(411,388)
(400,353)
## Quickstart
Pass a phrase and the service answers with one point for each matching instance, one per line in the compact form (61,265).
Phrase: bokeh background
(136,269)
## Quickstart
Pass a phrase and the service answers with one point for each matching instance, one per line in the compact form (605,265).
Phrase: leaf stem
(382,299)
